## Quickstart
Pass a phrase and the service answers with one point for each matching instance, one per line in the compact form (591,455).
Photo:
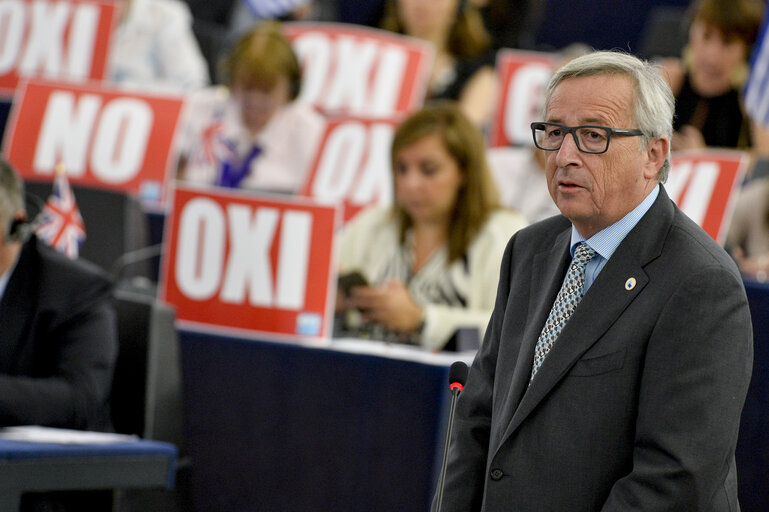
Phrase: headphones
(19,230)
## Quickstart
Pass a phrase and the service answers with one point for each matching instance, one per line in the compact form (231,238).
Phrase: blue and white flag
(757,86)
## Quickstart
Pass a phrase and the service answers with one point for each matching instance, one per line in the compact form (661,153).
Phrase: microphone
(457,378)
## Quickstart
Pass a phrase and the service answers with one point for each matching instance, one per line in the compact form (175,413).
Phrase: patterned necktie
(565,303)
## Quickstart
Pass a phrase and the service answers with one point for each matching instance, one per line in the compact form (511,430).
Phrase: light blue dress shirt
(606,241)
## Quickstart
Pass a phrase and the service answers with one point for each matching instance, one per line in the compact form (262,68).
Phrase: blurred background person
(707,81)
(520,176)
(463,69)
(58,341)
(154,47)
(253,134)
(748,237)
(428,264)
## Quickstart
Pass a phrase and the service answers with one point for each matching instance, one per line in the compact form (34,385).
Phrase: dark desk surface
(753,444)
(30,466)
(283,427)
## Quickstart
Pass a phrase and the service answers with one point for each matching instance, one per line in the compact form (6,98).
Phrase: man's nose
(569,151)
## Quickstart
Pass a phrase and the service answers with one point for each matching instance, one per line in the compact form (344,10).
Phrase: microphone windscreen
(458,373)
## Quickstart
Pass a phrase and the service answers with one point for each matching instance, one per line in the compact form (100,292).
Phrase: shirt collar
(606,241)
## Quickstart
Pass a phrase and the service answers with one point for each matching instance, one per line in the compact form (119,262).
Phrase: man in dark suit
(616,385)
(58,333)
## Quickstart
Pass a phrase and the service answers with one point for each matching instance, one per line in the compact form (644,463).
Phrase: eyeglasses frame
(630,132)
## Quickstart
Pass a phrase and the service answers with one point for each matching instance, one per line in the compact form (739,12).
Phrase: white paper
(37,434)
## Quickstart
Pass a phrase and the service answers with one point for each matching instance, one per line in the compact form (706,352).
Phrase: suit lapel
(544,286)
(600,308)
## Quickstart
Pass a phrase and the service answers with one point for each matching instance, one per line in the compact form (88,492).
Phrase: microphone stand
(456,383)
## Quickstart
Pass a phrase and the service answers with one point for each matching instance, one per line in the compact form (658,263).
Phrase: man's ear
(656,152)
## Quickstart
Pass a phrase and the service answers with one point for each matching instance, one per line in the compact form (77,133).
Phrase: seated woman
(463,69)
(748,237)
(708,81)
(252,135)
(432,259)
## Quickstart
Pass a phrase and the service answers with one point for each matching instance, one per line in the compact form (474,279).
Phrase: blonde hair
(477,196)
(261,57)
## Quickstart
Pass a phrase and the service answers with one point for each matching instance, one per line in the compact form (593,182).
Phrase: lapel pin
(630,283)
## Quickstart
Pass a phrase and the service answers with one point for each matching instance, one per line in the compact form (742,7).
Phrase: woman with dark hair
(708,80)
(431,259)
(463,69)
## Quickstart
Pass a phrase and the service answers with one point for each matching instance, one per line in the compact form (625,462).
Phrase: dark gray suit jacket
(637,405)
(58,342)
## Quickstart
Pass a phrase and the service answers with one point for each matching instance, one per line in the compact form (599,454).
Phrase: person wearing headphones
(252,135)
(58,340)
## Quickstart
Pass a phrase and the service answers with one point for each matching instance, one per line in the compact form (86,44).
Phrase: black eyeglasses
(589,138)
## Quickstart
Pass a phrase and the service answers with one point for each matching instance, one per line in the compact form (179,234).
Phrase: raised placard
(522,77)
(704,184)
(353,70)
(246,263)
(352,165)
(104,137)
(60,40)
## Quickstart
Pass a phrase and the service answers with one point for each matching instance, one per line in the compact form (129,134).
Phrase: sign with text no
(360,71)
(704,185)
(106,138)
(66,40)
(237,261)
(523,76)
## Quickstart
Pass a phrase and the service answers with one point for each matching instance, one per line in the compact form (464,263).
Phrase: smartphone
(347,281)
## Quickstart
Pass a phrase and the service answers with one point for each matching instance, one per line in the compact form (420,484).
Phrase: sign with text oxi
(66,40)
(704,184)
(354,70)
(106,138)
(522,76)
(239,261)
(352,165)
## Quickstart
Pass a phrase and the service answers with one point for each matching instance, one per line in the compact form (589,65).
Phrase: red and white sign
(238,261)
(65,40)
(106,138)
(522,76)
(352,165)
(704,184)
(360,71)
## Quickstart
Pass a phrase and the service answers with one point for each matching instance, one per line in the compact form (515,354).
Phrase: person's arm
(696,373)
(77,374)
(181,64)
(479,95)
(760,140)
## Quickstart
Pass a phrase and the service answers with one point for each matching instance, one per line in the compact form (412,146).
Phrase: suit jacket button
(497,474)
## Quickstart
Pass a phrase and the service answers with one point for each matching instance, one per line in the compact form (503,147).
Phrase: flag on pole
(62,226)
(757,86)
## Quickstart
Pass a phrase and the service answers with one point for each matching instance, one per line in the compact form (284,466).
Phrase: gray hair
(653,105)
(11,193)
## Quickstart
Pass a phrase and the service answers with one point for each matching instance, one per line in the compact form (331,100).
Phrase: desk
(28,466)
(356,426)
(753,445)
